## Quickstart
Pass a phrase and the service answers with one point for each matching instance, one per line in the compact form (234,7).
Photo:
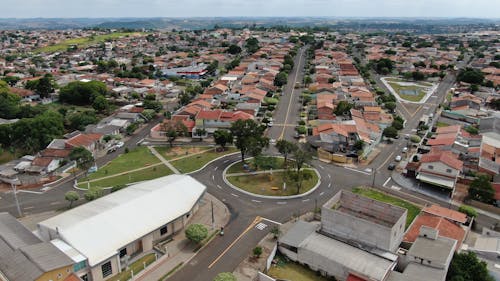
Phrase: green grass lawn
(413,210)
(442,124)
(294,272)
(83,42)
(142,175)
(6,156)
(136,158)
(195,162)
(137,266)
(397,88)
(263,183)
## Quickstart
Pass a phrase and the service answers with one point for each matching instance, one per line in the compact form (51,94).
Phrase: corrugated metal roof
(299,231)
(14,233)
(100,228)
(355,259)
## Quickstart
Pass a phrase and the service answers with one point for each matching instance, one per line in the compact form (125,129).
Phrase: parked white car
(398,158)
(120,144)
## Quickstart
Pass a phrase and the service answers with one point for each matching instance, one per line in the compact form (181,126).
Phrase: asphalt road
(226,252)
(35,201)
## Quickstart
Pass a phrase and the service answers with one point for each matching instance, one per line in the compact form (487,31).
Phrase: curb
(210,162)
(400,99)
(271,197)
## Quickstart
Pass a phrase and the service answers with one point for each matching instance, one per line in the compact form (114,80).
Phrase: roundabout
(273,180)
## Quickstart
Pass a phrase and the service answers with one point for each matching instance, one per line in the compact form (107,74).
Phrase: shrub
(469,211)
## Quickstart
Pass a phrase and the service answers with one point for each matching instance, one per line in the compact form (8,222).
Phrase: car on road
(270,124)
(391,166)
(405,149)
(120,144)
(398,158)
(112,149)
(407,136)
(92,169)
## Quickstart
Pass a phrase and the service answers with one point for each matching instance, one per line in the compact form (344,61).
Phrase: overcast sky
(249,8)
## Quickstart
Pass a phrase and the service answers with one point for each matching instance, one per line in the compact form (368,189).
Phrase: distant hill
(209,22)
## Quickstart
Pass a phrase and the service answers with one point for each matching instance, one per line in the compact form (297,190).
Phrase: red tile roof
(446,157)
(72,277)
(444,226)
(83,140)
(496,186)
(59,153)
(446,213)
(354,278)
(42,161)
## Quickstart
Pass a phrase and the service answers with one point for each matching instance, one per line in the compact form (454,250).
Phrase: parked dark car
(391,166)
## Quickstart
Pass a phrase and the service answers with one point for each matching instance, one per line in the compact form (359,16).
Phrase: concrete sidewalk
(180,250)
(163,160)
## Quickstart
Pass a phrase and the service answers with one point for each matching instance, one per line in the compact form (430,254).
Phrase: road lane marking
(261,226)
(329,176)
(257,220)
(305,200)
(322,168)
(291,96)
(29,191)
(235,195)
(385,183)
(275,222)
(281,203)
(321,194)
(329,185)
(220,187)
(256,201)
(216,167)
(386,160)
(396,187)
(213,177)
(225,161)
(358,171)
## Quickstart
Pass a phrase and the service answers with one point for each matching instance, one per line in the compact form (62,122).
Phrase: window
(59,275)
(123,252)
(106,269)
(163,230)
(430,167)
(448,170)
(79,266)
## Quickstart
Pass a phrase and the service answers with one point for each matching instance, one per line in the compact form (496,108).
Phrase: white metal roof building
(100,228)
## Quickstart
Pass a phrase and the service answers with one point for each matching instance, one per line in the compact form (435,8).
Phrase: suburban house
(490,149)
(356,238)
(128,223)
(24,257)
(428,258)
(449,223)
(440,168)
(212,120)
(91,142)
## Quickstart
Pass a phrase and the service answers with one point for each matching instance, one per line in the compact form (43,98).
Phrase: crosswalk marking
(261,226)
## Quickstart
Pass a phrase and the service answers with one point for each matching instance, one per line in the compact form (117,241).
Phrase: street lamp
(14,190)
(374,176)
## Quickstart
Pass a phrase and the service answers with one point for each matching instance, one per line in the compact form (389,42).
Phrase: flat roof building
(127,222)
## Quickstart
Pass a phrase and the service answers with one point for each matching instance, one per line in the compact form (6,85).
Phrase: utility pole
(213,218)
(374,175)
(15,198)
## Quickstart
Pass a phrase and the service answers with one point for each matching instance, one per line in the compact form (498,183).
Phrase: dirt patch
(461,191)
(180,151)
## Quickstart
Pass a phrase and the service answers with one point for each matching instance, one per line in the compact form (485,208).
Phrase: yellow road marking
(291,96)
(256,221)
(418,109)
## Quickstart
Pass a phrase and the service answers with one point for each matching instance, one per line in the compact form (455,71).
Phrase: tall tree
(466,266)
(249,137)
(200,132)
(285,148)
(223,137)
(480,189)
(83,157)
(100,104)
